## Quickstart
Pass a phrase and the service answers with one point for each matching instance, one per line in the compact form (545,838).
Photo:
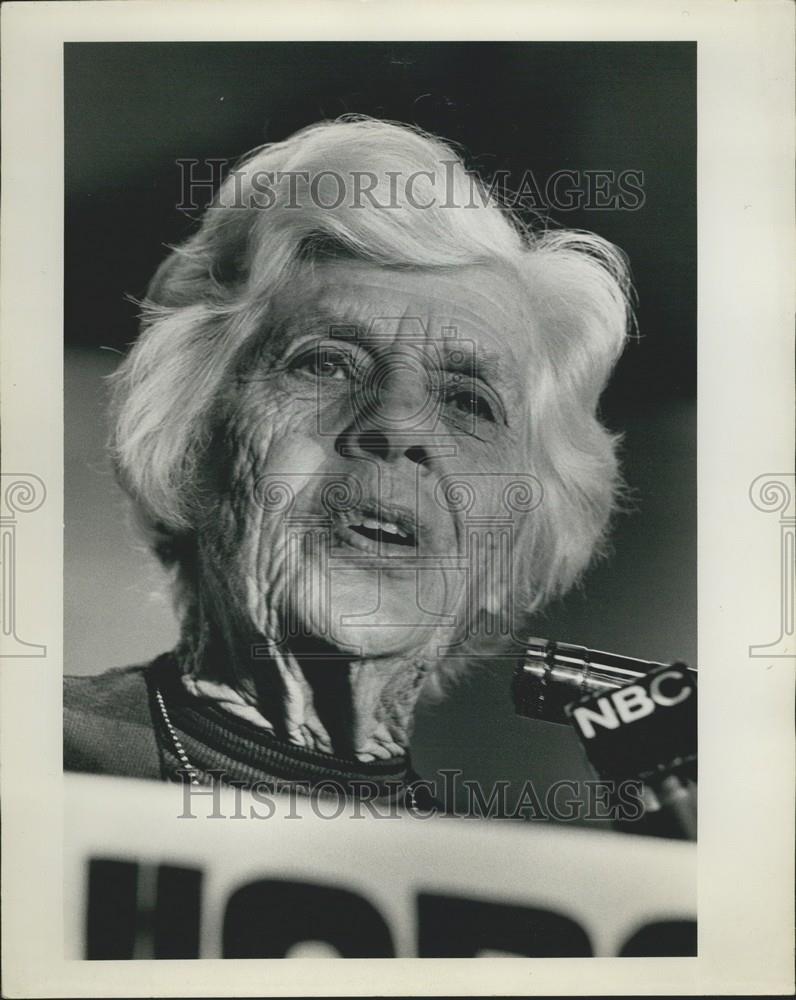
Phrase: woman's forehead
(479,302)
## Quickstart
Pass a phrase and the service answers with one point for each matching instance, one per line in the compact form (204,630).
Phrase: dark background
(132,110)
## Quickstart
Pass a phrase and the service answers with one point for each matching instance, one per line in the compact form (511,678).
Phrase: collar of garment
(225,746)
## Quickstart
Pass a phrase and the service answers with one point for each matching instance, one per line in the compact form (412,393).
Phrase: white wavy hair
(213,292)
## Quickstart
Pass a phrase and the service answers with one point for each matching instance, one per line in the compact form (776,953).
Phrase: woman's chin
(368,621)
(364,642)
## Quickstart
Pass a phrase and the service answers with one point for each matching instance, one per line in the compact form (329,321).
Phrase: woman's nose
(395,413)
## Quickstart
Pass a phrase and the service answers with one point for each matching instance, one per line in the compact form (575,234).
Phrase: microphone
(636,719)
(552,675)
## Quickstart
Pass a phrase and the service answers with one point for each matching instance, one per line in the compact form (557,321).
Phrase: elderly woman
(359,425)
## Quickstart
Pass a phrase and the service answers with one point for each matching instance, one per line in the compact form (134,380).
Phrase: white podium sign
(143,880)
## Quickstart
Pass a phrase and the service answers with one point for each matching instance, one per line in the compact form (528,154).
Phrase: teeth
(387,526)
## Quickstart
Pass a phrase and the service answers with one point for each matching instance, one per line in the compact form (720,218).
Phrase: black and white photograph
(386,364)
(384,402)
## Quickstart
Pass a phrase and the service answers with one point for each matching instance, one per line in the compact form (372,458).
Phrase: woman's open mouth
(377,529)
(383,532)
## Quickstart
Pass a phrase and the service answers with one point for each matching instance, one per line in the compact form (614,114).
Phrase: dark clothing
(113,724)
(109,725)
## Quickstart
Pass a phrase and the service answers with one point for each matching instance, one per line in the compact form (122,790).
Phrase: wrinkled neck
(313,697)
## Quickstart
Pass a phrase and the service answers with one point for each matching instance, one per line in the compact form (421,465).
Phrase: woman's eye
(326,363)
(470,402)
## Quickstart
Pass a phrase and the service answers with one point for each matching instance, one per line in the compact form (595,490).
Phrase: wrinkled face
(363,451)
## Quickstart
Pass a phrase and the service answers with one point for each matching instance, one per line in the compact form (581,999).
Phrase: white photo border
(745,430)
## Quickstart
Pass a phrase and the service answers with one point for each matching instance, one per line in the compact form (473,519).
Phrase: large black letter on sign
(120,924)
(663,938)
(266,919)
(455,927)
